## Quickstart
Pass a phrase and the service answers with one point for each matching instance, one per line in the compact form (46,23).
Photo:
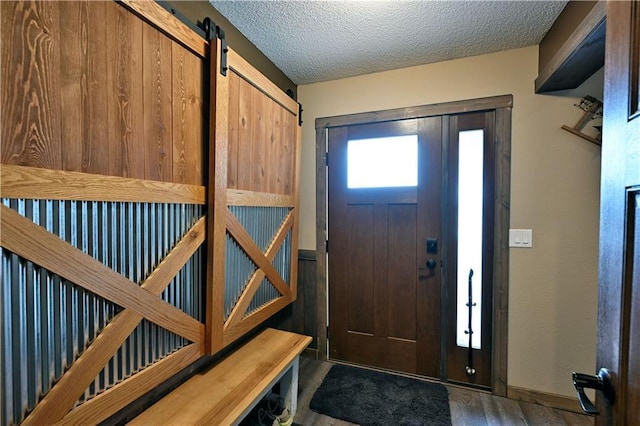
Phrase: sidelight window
(470,202)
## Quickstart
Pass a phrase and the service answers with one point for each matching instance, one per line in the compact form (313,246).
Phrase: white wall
(555,191)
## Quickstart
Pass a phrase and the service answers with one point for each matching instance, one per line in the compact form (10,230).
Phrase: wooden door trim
(502,213)
(455,107)
(502,105)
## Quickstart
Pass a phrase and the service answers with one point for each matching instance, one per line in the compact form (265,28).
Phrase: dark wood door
(619,291)
(384,302)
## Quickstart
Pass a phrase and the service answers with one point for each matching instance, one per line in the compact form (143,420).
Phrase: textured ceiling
(313,41)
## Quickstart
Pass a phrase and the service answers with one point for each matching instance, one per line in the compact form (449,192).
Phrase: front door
(619,291)
(385,244)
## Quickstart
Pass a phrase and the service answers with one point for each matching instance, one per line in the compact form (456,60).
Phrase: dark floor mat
(369,397)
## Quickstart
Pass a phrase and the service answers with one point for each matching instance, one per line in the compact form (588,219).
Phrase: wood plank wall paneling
(92,88)
(262,137)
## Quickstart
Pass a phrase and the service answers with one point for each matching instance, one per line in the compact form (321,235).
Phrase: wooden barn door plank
(157,105)
(31,84)
(118,397)
(217,196)
(36,183)
(289,139)
(246,117)
(279,161)
(234,129)
(242,67)
(268,108)
(96,99)
(255,253)
(254,319)
(238,197)
(256,279)
(124,96)
(62,397)
(26,239)
(256,137)
(161,18)
(188,120)
(84,85)
(258,146)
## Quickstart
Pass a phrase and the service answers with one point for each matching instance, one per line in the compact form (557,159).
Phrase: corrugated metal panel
(267,292)
(282,261)
(262,224)
(47,322)
(238,270)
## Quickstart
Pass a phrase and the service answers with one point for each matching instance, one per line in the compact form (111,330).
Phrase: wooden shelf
(579,57)
(582,135)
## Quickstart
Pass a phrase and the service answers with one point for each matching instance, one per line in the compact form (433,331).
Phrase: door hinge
(326,159)
(326,246)
(327,332)
(213,31)
(300,114)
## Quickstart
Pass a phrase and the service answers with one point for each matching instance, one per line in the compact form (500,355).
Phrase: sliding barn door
(102,209)
(110,187)
(255,199)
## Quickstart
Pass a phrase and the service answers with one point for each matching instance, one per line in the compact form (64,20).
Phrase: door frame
(502,106)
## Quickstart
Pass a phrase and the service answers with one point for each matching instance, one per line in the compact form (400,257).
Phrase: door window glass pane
(382,162)
(470,197)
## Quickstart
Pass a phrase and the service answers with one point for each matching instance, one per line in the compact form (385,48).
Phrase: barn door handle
(600,381)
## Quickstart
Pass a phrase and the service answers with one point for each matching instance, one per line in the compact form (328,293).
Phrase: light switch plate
(520,238)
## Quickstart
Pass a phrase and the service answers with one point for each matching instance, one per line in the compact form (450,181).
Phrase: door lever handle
(600,381)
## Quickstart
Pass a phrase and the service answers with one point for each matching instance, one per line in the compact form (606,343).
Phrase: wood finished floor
(468,407)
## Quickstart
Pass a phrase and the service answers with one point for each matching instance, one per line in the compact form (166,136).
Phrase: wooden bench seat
(225,393)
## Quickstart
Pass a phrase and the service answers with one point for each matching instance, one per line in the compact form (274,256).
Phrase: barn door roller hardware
(213,31)
(300,114)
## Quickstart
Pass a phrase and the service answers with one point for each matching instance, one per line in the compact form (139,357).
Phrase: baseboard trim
(542,398)
(309,255)
(310,353)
